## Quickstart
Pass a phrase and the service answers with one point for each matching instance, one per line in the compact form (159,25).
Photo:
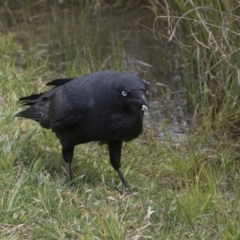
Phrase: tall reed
(208,34)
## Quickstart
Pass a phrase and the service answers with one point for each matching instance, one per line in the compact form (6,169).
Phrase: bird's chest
(125,126)
(133,125)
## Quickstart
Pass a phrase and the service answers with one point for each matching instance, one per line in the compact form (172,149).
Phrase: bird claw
(71,184)
(125,191)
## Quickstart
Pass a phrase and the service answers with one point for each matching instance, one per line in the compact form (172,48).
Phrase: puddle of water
(68,36)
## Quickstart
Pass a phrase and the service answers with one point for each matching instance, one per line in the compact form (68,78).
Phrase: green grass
(207,34)
(184,191)
(187,190)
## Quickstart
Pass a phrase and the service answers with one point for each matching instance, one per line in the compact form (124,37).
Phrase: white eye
(124,93)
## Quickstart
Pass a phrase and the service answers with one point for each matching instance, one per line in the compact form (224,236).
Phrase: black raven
(105,106)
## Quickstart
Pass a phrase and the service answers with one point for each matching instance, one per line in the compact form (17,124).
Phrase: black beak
(140,100)
(145,104)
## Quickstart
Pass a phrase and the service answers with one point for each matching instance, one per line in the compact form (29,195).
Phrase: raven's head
(132,92)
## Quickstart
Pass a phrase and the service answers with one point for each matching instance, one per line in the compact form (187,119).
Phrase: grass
(187,190)
(208,37)
(179,191)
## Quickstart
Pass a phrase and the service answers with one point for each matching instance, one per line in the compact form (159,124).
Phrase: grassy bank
(208,34)
(187,190)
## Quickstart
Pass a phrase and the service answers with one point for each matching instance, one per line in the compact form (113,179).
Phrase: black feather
(30,100)
(59,82)
(104,106)
(30,113)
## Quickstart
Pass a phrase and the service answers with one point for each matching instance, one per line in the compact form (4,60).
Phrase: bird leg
(67,153)
(124,182)
(69,172)
(115,148)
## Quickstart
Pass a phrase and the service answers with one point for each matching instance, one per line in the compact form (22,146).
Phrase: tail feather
(39,104)
(59,82)
(31,113)
(34,98)
(35,114)
(30,100)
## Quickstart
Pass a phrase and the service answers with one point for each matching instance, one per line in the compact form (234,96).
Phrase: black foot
(71,184)
(126,190)
(69,172)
